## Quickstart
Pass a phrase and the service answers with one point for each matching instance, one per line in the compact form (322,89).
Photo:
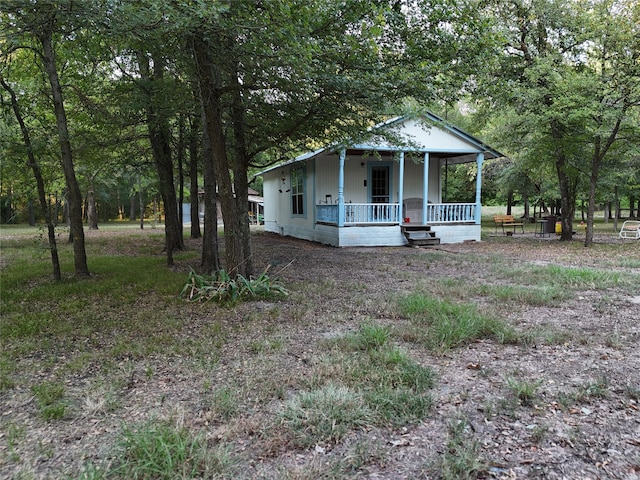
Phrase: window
(297,190)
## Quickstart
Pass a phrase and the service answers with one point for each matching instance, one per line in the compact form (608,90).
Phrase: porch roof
(378,144)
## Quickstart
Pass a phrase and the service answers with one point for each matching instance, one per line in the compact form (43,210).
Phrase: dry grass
(337,380)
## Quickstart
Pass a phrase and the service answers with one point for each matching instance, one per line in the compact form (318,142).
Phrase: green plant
(461,459)
(266,345)
(539,433)
(325,415)
(633,391)
(7,368)
(399,405)
(535,295)
(368,337)
(224,289)
(450,325)
(523,390)
(595,389)
(507,406)
(49,396)
(394,387)
(223,402)
(161,450)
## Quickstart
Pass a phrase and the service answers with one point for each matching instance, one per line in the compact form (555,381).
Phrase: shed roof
(461,147)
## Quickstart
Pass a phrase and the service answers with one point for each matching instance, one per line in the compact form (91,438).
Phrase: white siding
(428,136)
(457,233)
(413,176)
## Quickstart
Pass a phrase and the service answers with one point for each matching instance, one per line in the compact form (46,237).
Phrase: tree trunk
(567,187)
(180,160)
(210,262)
(600,150)
(509,201)
(32,213)
(132,208)
(591,208)
(37,173)
(92,212)
(73,190)
(141,204)
(241,181)
(159,135)
(616,215)
(235,261)
(193,179)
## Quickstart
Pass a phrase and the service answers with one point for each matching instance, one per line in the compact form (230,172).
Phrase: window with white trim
(297,190)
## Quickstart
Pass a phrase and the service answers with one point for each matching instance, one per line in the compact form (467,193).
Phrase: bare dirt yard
(560,400)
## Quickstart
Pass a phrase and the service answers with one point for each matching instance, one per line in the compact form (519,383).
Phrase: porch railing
(372,213)
(451,212)
(375,213)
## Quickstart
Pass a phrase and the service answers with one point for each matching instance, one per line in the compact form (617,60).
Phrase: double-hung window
(297,190)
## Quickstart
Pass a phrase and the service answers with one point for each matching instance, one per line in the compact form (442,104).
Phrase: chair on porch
(412,209)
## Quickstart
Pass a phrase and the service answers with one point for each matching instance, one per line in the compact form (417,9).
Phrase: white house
(379,193)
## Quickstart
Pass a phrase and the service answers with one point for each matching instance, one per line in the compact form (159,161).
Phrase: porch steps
(420,235)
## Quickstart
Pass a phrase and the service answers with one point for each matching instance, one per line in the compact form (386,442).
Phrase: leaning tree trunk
(600,150)
(37,173)
(73,190)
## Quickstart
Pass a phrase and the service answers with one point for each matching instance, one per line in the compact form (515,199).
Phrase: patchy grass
(162,450)
(443,325)
(118,377)
(325,415)
(49,396)
(461,459)
(523,390)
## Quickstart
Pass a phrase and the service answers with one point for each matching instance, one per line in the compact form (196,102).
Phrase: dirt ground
(583,422)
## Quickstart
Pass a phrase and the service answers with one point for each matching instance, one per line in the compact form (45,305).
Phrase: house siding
(324,178)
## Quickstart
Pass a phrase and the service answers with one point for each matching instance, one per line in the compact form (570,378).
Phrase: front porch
(383,192)
(391,214)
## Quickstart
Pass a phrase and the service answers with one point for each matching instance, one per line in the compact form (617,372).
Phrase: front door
(380,191)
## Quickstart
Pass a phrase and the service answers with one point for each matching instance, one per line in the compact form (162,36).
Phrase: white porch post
(425,188)
(343,154)
(478,212)
(401,186)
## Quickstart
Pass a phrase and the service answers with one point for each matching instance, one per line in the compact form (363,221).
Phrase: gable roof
(465,149)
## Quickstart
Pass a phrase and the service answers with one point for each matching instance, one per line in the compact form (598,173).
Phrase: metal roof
(457,157)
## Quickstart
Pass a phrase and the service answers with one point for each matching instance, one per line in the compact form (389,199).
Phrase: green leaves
(223,289)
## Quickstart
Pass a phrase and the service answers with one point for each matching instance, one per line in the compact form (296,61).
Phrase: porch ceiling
(452,157)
